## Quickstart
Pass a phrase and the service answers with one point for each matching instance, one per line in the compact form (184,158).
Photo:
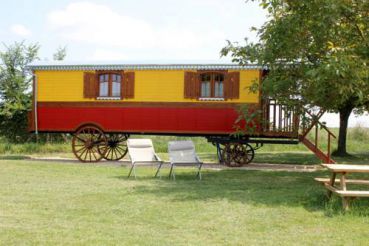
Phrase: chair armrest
(157,157)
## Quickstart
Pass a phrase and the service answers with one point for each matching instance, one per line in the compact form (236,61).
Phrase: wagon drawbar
(102,104)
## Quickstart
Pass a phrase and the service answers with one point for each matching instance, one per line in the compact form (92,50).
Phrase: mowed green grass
(54,203)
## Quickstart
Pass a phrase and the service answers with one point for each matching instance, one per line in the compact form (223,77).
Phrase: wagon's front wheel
(89,144)
(117,147)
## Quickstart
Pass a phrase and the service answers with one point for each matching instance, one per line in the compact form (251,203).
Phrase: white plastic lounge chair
(142,151)
(183,153)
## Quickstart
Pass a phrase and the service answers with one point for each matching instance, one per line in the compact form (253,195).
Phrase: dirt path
(251,166)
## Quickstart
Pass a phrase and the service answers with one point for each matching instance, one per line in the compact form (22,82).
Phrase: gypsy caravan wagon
(103,104)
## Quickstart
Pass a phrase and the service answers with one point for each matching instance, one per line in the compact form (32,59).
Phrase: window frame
(212,74)
(110,74)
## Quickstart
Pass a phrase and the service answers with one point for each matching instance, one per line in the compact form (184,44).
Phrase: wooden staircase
(319,153)
(288,122)
(313,145)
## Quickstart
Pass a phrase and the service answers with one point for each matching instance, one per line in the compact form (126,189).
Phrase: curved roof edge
(140,66)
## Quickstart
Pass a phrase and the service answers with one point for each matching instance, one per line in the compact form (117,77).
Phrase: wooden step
(348,181)
(322,156)
(347,193)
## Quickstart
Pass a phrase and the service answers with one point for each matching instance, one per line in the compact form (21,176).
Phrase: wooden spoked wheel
(89,144)
(236,155)
(117,147)
(249,154)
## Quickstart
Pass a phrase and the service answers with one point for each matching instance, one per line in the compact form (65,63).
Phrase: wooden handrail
(278,118)
(327,129)
(316,123)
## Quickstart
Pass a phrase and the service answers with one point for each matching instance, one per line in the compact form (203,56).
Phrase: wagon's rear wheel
(236,154)
(89,144)
(117,147)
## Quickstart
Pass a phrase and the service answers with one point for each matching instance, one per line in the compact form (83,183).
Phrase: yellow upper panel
(150,86)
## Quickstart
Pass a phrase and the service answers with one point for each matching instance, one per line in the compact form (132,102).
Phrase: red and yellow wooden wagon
(102,104)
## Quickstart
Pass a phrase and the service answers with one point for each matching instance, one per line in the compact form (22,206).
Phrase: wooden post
(280,127)
(316,136)
(329,148)
(267,118)
(274,117)
(343,181)
(285,119)
(345,201)
(296,123)
(331,182)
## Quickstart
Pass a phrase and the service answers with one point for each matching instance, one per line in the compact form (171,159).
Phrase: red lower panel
(142,120)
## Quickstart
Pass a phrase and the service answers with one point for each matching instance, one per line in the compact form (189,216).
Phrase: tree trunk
(344,117)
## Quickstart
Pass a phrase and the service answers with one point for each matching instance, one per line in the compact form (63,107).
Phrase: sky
(130,30)
(107,30)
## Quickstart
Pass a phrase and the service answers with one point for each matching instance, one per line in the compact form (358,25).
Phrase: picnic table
(341,190)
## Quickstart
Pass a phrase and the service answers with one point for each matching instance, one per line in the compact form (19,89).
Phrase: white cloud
(20,30)
(108,55)
(98,24)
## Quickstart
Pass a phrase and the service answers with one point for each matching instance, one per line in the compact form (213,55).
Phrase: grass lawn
(61,203)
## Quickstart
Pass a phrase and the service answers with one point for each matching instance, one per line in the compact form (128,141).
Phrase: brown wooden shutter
(232,86)
(122,74)
(90,86)
(128,85)
(191,85)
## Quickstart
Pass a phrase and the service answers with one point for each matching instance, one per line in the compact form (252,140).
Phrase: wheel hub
(89,144)
(112,144)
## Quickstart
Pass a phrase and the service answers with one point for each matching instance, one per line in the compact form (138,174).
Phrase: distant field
(358,146)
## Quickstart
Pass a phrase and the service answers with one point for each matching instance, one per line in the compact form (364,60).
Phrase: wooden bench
(341,190)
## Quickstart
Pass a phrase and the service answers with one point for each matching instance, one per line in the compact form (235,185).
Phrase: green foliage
(15,96)
(15,91)
(317,51)
(60,54)
(247,121)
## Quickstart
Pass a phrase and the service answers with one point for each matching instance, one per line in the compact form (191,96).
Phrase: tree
(316,51)
(60,54)
(15,96)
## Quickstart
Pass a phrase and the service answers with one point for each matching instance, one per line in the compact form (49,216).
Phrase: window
(115,90)
(104,85)
(205,85)
(212,85)
(109,85)
(218,85)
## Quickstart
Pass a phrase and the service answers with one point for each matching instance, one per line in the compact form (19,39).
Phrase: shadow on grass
(355,158)
(14,157)
(260,188)
(286,158)
(306,158)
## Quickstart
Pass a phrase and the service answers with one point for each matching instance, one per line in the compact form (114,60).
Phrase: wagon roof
(140,65)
